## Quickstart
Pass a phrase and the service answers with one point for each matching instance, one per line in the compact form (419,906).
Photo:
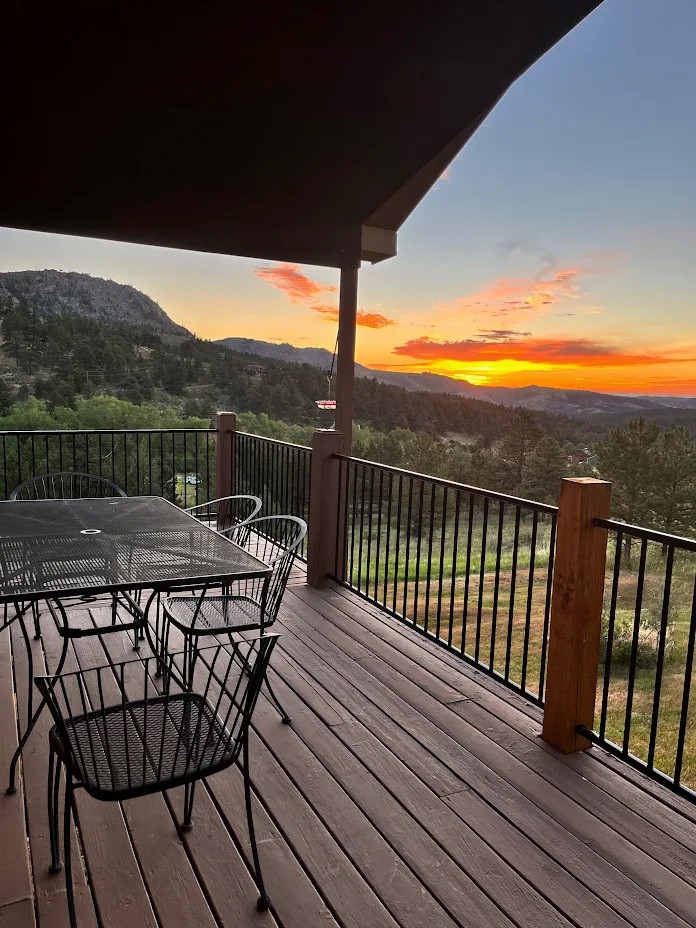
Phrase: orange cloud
(289,279)
(298,288)
(364,318)
(522,294)
(569,352)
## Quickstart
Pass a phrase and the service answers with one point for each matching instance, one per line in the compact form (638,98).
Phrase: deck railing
(467,567)
(178,464)
(512,586)
(277,472)
(645,711)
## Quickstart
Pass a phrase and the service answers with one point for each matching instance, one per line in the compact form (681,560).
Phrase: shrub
(648,638)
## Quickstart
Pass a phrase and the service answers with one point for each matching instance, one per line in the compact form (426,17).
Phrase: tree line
(75,372)
(62,358)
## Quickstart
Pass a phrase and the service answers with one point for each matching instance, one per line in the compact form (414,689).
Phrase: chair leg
(190,657)
(161,642)
(12,788)
(285,718)
(37,627)
(189,791)
(55,767)
(263,902)
(67,857)
(30,665)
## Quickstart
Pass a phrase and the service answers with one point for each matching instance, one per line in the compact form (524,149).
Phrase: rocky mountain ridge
(52,292)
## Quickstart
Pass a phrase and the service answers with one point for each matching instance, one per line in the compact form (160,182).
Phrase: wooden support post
(345,367)
(324,516)
(224,458)
(576,612)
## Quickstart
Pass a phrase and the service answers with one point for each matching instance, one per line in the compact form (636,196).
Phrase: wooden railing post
(323,506)
(576,612)
(226,424)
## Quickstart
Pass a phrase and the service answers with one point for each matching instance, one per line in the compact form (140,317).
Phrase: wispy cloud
(364,318)
(514,295)
(576,352)
(299,288)
(501,335)
(290,280)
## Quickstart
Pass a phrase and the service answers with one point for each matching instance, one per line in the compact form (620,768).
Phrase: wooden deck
(410,791)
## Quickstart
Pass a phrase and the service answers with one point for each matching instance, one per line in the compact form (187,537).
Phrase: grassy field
(672,686)
(186,492)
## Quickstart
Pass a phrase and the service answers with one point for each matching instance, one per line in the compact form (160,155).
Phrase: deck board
(479,759)
(410,791)
(618,832)
(470,839)
(606,797)
(16,882)
(527,803)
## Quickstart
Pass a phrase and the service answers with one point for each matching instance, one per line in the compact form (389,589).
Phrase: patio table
(51,550)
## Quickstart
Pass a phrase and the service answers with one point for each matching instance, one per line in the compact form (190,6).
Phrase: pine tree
(675,483)
(521,434)
(545,467)
(627,458)
(6,396)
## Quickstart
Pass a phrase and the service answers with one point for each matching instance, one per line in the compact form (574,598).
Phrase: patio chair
(65,485)
(227,511)
(239,607)
(119,733)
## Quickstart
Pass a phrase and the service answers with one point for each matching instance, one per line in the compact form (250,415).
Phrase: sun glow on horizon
(485,373)
(512,373)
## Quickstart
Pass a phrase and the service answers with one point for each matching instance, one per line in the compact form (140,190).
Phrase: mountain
(576,403)
(49,294)
(58,293)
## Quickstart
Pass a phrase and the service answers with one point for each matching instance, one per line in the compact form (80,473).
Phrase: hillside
(67,335)
(576,403)
(60,357)
(58,293)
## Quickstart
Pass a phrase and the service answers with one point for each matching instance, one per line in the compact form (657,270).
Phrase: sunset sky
(559,248)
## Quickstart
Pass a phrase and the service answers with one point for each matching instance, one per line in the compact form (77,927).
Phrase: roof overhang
(305,132)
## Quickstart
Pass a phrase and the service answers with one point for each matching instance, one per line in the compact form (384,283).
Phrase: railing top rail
(274,441)
(637,531)
(452,484)
(26,432)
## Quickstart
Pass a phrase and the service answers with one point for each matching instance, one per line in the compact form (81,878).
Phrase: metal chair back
(66,485)
(275,540)
(227,511)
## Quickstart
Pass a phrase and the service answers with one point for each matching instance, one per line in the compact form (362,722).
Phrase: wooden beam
(324,506)
(576,612)
(226,424)
(345,366)
(377,244)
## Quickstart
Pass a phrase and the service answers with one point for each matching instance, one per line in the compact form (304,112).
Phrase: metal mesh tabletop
(52,547)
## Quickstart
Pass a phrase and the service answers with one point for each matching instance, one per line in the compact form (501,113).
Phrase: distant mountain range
(52,292)
(581,403)
(66,292)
